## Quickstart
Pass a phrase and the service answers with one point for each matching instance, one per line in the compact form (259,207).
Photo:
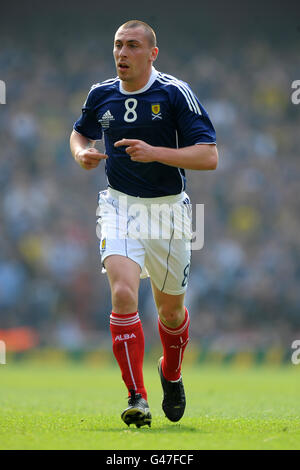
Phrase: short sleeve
(193,123)
(87,124)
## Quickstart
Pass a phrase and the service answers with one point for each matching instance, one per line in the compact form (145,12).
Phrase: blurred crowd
(244,282)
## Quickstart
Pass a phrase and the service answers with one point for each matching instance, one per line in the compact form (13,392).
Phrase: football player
(154,127)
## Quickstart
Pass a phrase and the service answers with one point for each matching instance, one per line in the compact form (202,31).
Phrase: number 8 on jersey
(130,105)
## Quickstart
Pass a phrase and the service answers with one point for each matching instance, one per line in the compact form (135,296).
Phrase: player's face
(133,56)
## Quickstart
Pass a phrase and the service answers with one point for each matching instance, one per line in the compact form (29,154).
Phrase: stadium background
(240,59)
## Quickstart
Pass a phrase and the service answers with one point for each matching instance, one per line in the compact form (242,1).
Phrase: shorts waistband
(172,199)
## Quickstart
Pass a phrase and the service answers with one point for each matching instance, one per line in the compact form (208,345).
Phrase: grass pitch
(71,406)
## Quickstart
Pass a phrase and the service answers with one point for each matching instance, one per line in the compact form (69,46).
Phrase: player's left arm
(196,135)
(194,157)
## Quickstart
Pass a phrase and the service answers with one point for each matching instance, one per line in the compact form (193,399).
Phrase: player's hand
(138,150)
(89,158)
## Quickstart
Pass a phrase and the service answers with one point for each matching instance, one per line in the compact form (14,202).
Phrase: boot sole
(136,416)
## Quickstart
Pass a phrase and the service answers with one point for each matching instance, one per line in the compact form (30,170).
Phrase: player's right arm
(84,152)
(86,131)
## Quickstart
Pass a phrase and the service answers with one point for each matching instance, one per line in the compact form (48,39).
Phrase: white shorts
(156,233)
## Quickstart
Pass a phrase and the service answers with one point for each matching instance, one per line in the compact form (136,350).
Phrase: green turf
(78,407)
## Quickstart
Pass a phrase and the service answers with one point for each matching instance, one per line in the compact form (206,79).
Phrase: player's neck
(131,86)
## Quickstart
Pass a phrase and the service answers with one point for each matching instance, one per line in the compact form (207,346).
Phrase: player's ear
(154,53)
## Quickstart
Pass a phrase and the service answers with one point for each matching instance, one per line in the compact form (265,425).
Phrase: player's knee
(170,315)
(124,298)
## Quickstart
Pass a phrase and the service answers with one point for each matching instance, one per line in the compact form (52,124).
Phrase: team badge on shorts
(103,244)
(156,114)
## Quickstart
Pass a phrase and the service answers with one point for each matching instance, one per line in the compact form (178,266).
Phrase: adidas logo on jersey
(106,118)
(124,337)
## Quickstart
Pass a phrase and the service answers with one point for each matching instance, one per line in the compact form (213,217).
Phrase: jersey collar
(150,82)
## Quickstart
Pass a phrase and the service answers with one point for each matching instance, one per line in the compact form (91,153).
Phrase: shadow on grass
(175,428)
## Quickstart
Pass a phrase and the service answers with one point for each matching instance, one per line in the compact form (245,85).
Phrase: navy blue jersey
(164,113)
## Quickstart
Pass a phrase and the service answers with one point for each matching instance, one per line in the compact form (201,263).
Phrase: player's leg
(127,335)
(168,261)
(123,259)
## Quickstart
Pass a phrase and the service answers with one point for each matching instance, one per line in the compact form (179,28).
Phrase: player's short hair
(148,30)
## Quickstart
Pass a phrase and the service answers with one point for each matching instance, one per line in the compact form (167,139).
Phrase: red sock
(128,347)
(174,341)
